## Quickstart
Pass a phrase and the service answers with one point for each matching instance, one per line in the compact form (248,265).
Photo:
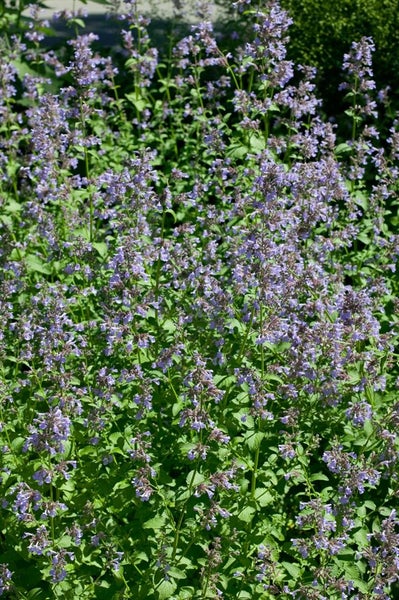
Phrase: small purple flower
(5,579)
(287,451)
(359,412)
(142,484)
(26,501)
(59,561)
(38,541)
(76,534)
(50,432)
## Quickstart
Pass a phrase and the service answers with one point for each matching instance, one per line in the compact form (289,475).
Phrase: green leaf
(35,264)
(342,149)
(263,497)
(319,477)
(352,573)
(138,103)
(363,237)
(368,428)
(385,511)
(117,439)
(247,514)
(361,199)
(17,444)
(155,523)
(12,206)
(194,478)
(122,485)
(78,22)
(186,593)
(169,325)
(237,151)
(360,537)
(292,569)
(103,2)
(177,573)
(101,248)
(23,68)
(257,143)
(34,594)
(165,589)
(254,439)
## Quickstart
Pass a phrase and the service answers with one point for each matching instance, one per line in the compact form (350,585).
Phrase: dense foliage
(199,320)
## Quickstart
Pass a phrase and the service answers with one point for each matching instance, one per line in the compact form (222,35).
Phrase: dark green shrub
(323,31)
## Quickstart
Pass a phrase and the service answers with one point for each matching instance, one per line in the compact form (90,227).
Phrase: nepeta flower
(358,63)
(359,412)
(141,483)
(86,66)
(383,554)
(142,61)
(38,541)
(26,501)
(50,432)
(5,579)
(59,561)
(76,534)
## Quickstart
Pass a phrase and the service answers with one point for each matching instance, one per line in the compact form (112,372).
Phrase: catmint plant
(198,374)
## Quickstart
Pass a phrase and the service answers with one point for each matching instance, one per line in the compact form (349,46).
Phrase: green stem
(183,512)
(244,343)
(255,466)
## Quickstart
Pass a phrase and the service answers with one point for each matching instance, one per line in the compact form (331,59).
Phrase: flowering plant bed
(198,301)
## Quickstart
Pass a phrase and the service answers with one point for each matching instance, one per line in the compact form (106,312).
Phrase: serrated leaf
(155,523)
(165,589)
(263,497)
(292,569)
(194,478)
(17,444)
(68,485)
(237,151)
(257,143)
(360,537)
(352,573)
(254,439)
(169,325)
(101,248)
(385,511)
(117,439)
(319,477)
(138,103)
(361,199)
(247,514)
(12,206)
(363,237)
(271,476)
(140,557)
(176,573)
(35,264)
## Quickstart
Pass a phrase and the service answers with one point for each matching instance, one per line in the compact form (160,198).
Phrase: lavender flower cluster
(199,322)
